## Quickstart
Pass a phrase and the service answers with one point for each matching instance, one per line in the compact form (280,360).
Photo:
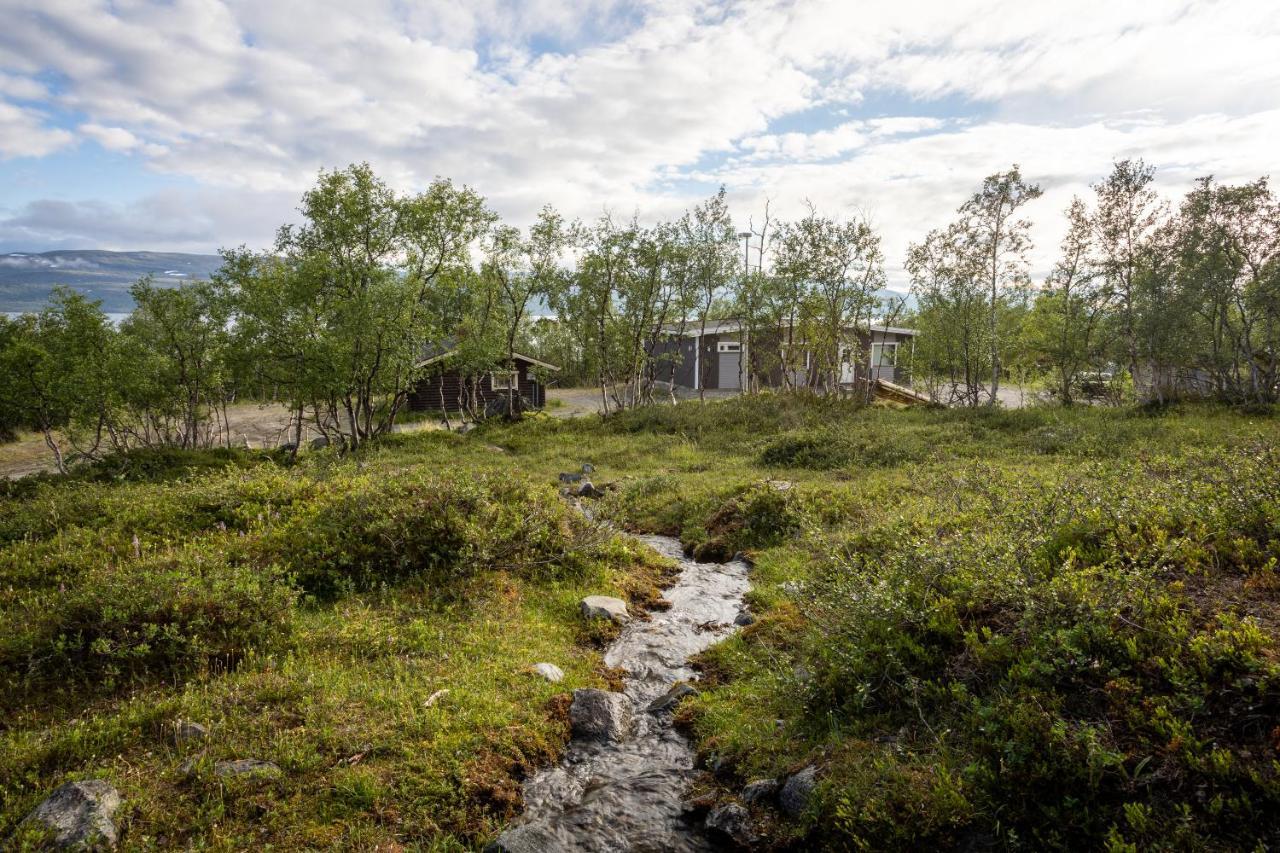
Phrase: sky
(190,125)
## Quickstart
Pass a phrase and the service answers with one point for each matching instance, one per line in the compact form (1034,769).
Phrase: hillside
(1041,629)
(26,279)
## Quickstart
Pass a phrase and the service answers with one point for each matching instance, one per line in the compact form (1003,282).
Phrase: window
(884,355)
(504,380)
(729,346)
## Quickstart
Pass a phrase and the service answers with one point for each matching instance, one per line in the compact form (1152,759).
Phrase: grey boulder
(245,768)
(605,607)
(798,790)
(668,701)
(80,814)
(744,618)
(600,715)
(549,671)
(759,790)
(733,821)
(587,490)
(185,730)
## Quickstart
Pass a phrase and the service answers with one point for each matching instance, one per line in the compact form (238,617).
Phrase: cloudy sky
(192,124)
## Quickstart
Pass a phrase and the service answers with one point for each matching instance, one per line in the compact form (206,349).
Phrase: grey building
(722,356)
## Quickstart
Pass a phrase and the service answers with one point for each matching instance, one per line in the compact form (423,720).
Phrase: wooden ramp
(902,394)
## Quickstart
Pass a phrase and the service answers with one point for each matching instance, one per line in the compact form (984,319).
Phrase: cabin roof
(691,328)
(433,353)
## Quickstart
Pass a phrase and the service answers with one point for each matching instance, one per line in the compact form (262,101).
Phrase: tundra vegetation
(1022,629)
(1045,628)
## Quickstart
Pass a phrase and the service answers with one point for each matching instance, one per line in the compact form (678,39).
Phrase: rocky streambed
(625,775)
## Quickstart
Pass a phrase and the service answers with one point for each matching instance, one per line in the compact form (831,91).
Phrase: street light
(745,236)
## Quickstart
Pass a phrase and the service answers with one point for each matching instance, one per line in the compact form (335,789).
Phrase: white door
(847,366)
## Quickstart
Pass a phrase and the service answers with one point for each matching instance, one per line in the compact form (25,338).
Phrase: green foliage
(171,615)
(1057,630)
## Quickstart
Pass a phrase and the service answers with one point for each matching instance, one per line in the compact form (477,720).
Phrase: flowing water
(627,795)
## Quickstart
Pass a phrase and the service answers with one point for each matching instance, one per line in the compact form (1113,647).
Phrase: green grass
(1032,629)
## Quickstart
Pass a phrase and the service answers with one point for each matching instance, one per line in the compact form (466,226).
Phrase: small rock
(549,671)
(289,447)
(699,804)
(604,607)
(668,701)
(566,477)
(320,442)
(744,618)
(588,468)
(793,588)
(586,490)
(600,714)
(733,821)
(245,767)
(185,730)
(759,790)
(187,769)
(781,485)
(80,815)
(795,794)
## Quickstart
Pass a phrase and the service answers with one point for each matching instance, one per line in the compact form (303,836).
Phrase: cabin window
(884,355)
(729,346)
(504,380)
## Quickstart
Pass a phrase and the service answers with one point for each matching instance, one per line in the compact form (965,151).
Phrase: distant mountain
(26,279)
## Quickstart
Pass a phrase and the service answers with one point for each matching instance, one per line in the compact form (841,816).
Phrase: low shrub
(170,615)
(363,532)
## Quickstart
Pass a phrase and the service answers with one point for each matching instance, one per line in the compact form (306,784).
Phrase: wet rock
(700,804)
(600,715)
(760,790)
(713,551)
(529,838)
(320,442)
(549,671)
(798,790)
(586,490)
(185,731)
(744,618)
(246,768)
(80,815)
(733,821)
(668,701)
(605,607)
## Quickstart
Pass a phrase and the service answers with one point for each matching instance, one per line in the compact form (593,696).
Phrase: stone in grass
(549,671)
(744,618)
(587,490)
(246,768)
(798,790)
(668,701)
(185,730)
(759,790)
(733,821)
(80,815)
(600,715)
(604,607)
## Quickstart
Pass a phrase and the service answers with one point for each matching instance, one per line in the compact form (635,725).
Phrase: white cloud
(23,133)
(900,107)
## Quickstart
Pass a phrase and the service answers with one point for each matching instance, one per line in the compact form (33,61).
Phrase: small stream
(627,795)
